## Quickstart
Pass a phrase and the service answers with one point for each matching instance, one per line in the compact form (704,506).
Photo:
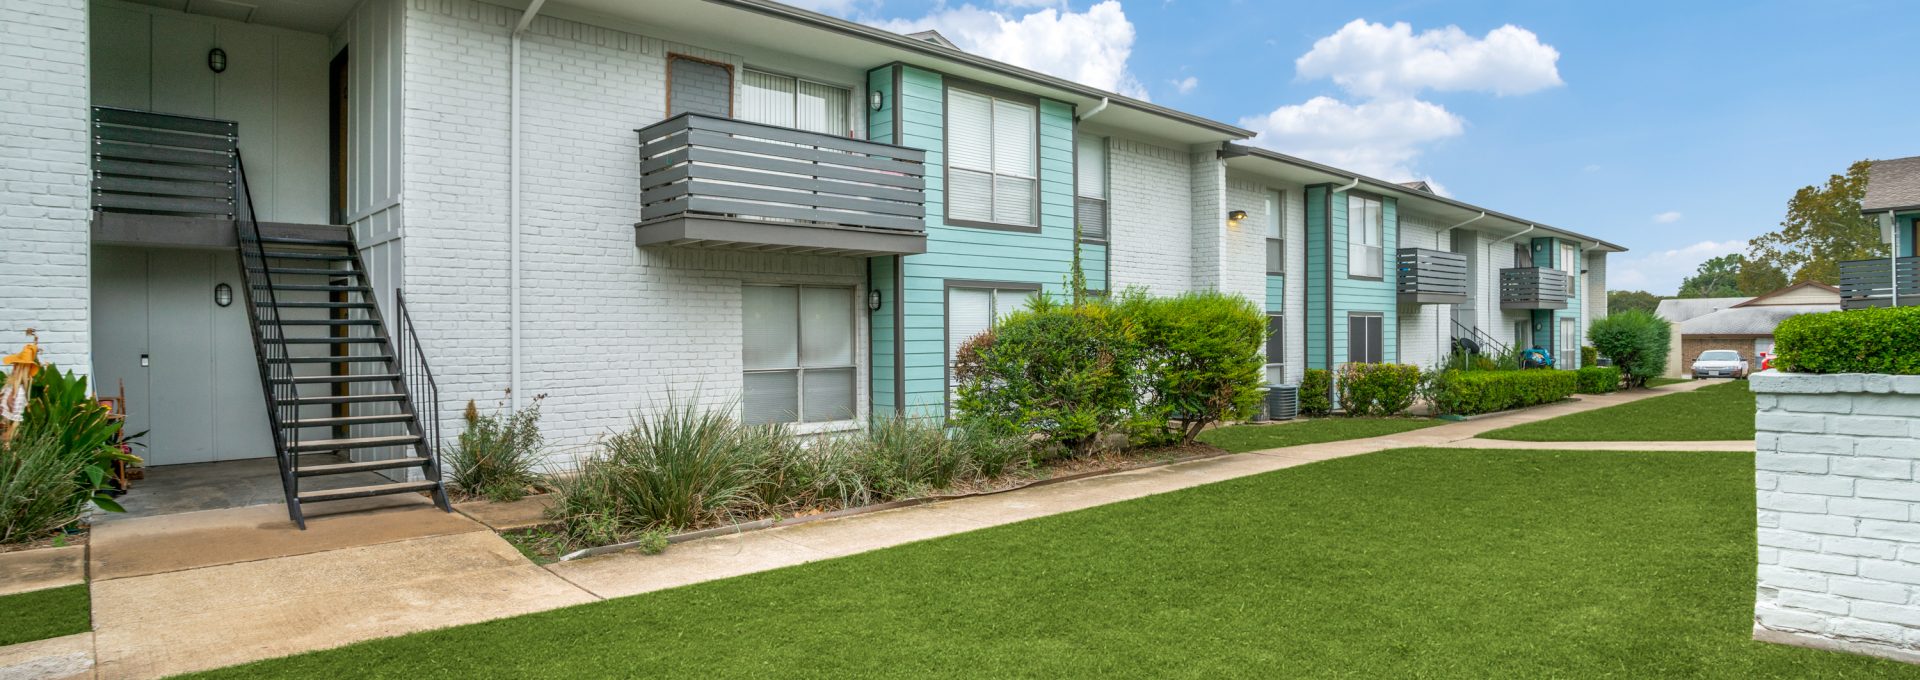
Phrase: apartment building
(324,226)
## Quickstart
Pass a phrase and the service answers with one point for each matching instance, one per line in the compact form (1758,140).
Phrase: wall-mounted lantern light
(873,300)
(217,60)
(223,295)
(1234,217)
(874,100)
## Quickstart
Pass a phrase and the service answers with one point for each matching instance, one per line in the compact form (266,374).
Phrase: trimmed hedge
(1875,340)
(1597,379)
(1470,392)
(1315,389)
(1378,389)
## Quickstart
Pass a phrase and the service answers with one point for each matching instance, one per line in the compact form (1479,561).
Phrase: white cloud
(1377,60)
(1090,47)
(1186,85)
(1660,272)
(1668,217)
(1378,138)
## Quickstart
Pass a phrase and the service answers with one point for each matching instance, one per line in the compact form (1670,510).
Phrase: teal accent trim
(1276,293)
(1360,294)
(882,327)
(1093,265)
(1319,278)
(880,123)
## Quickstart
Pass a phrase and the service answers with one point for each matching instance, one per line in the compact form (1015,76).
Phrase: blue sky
(1678,130)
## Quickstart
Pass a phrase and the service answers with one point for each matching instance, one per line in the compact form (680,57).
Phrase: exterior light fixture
(873,300)
(217,60)
(1234,217)
(874,100)
(223,295)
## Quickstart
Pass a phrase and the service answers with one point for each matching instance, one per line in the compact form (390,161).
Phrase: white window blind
(1364,236)
(991,146)
(972,311)
(794,103)
(1090,187)
(798,354)
(1569,345)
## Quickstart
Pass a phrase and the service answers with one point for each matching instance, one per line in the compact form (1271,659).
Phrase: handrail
(1487,343)
(412,364)
(269,335)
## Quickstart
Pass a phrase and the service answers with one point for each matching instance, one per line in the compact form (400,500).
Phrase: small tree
(1201,354)
(1637,342)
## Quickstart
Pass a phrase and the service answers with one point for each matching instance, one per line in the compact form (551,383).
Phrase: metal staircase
(1482,344)
(342,397)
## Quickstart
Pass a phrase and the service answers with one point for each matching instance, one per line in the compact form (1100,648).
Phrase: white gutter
(1470,220)
(1095,111)
(1349,186)
(513,207)
(1517,234)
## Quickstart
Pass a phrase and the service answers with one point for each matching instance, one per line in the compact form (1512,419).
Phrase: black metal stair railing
(269,341)
(1488,346)
(417,377)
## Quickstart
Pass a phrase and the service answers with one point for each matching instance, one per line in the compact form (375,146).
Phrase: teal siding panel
(1276,293)
(1093,265)
(1317,272)
(1352,295)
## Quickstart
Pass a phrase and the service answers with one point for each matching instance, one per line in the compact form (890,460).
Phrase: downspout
(1102,106)
(513,205)
(1348,187)
(1893,258)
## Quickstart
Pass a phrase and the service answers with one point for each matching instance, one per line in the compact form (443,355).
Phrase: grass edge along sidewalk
(1721,412)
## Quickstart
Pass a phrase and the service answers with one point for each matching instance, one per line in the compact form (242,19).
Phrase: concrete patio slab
(69,656)
(29,570)
(153,545)
(181,621)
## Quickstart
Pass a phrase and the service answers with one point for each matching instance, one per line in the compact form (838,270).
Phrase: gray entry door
(186,363)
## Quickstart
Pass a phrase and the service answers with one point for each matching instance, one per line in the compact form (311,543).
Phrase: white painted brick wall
(1243,260)
(1152,217)
(1209,219)
(44,179)
(1596,288)
(1423,328)
(1246,192)
(1836,483)
(607,328)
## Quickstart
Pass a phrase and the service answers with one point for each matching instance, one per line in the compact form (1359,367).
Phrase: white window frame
(1366,238)
(1569,343)
(1087,170)
(1276,348)
(993,173)
(1276,243)
(800,368)
(1378,325)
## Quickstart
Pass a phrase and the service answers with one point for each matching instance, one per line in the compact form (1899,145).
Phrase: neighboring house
(614,203)
(1747,327)
(1680,310)
(1893,198)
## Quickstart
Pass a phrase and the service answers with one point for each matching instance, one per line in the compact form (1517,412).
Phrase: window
(972,311)
(991,159)
(794,103)
(798,354)
(1570,263)
(1276,234)
(1276,349)
(1364,339)
(1569,344)
(1522,255)
(1090,188)
(1522,334)
(1365,257)
(699,86)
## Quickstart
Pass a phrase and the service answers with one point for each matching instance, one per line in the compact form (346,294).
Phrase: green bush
(1378,389)
(498,456)
(1597,379)
(1068,372)
(1637,342)
(1589,356)
(1874,340)
(1472,392)
(1316,389)
(1200,355)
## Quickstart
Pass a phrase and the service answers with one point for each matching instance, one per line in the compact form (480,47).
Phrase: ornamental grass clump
(498,456)
(906,457)
(58,458)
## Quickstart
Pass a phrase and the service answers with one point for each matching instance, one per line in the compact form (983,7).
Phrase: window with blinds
(992,173)
(798,354)
(1276,233)
(1364,339)
(794,103)
(972,311)
(1365,236)
(1276,349)
(1090,187)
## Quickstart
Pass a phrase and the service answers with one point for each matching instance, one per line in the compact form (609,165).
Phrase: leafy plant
(498,455)
(1589,356)
(1200,356)
(1472,392)
(1068,372)
(1637,341)
(1597,379)
(62,411)
(1378,389)
(1876,340)
(1316,392)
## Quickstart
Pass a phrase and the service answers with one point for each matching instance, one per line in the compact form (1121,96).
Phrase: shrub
(42,488)
(1636,340)
(1471,392)
(1378,389)
(1589,356)
(498,455)
(903,457)
(1069,372)
(1597,379)
(1875,340)
(1315,392)
(1200,355)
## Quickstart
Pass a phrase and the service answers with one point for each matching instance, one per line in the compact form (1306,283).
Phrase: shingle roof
(1748,320)
(1893,183)
(1682,309)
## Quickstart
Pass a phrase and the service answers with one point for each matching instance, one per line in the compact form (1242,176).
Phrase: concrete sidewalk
(180,593)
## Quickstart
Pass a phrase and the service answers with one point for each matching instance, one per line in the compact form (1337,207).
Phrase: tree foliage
(1718,277)
(1823,228)
(1622,300)
(1759,278)
(1637,341)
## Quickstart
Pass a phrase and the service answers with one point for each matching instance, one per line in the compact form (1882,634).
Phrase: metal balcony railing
(157,163)
(1431,277)
(1533,288)
(1882,282)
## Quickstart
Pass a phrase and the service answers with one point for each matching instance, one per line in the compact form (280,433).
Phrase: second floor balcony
(723,183)
(1533,288)
(1431,277)
(1880,282)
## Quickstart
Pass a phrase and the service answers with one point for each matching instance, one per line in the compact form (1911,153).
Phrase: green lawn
(43,614)
(1242,438)
(1406,563)
(1721,412)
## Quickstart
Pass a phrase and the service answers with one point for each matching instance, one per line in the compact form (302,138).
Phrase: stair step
(345,399)
(329,322)
(319,341)
(352,420)
(298,241)
(296,255)
(325,379)
(363,466)
(314,286)
(307,271)
(365,491)
(376,358)
(325,305)
(354,443)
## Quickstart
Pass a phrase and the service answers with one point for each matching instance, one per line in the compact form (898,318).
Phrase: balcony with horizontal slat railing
(1431,277)
(1533,288)
(156,163)
(1882,282)
(721,183)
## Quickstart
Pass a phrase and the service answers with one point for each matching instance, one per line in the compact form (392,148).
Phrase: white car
(1719,363)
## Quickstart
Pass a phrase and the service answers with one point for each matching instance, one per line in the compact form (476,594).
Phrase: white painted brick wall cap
(1776,382)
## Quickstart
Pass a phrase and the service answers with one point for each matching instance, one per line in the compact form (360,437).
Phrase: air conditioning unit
(1283,402)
